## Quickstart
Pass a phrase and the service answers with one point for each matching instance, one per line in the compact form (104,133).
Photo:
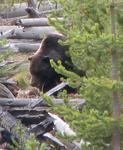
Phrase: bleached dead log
(28,102)
(5,30)
(16,11)
(5,35)
(26,33)
(19,10)
(32,22)
(25,47)
(27,22)
(19,102)
(31,33)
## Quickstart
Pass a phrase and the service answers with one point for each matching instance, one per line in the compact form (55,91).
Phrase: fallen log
(27,33)
(16,11)
(19,10)
(5,35)
(25,110)
(27,22)
(5,30)
(25,47)
(17,102)
(10,123)
(43,127)
(30,33)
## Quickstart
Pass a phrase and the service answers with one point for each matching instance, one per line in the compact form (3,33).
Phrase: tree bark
(116,108)
(32,3)
(32,13)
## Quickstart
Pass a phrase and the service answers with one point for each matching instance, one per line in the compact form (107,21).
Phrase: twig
(6,63)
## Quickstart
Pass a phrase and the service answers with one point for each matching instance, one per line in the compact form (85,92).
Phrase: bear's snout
(34,82)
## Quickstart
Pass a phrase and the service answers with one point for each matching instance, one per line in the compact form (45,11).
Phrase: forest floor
(6,22)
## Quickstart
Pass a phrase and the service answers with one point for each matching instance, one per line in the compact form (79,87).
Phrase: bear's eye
(30,58)
(46,59)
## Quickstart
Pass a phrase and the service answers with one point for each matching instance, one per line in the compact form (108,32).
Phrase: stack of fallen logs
(19,10)
(25,33)
(32,117)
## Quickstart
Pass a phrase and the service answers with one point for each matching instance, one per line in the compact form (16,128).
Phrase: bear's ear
(30,58)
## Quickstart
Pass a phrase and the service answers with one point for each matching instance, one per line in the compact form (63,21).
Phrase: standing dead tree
(116,137)
(32,3)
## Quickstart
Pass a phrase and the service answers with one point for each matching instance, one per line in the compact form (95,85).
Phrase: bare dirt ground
(5,22)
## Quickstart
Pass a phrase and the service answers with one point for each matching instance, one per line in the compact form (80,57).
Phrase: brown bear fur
(43,76)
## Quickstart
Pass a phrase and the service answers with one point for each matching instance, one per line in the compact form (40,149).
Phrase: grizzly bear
(43,76)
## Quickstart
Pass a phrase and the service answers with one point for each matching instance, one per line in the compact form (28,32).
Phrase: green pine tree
(87,26)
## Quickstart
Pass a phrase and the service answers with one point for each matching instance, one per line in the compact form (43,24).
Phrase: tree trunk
(116,108)
(32,13)
(32,3)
